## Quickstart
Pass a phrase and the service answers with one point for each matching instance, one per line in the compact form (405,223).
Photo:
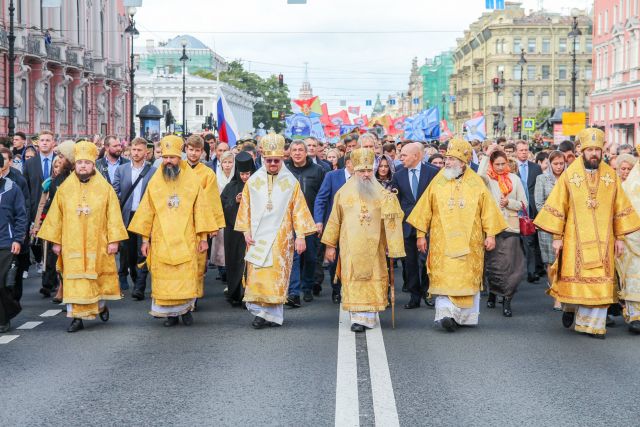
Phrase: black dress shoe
(137,295)
(411,305)
(55,300)
(634,326)
(356,327)
(491,301)
(568,318)
(76,325)
(293,301)
(429,302)
(597,336)
(171,321)
(532,278)
(307,296)
(273,325)
(336,298)
(258,323)
(316,290)
(187,319)
(46,293)
(449,324)
(506,307)
(104,314)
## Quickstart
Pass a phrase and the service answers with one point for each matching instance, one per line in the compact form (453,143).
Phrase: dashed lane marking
(347,411)
(384,401)
(29,325)
(50,313)
(6,339)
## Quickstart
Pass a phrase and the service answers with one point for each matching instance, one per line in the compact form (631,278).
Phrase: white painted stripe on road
(29,325)
(384,401)
(6,339)
(50,313)
(347,409)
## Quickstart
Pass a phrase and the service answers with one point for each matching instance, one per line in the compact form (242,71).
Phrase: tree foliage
(269,94)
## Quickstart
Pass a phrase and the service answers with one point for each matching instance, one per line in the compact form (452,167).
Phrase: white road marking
(384,401)
(6,339)
(347,409)
(50,313)
(29,325)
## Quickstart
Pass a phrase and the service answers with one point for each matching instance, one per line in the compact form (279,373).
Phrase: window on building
(531,99)
(531,45)
(531,72)
(588,73)
(517,45)
(546,45)
(544,99)
(199,107)
(606,21)
(166,105)
(499,46)
(562,98)
(501,98)
(624,109)
(516,98)
(599,30)
(562,45)
(588,48)
(546,72)
(516,72)
(562,72)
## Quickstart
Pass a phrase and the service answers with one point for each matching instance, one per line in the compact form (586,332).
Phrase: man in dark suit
(313,145)
(137,172)
(410,182)
(221,148)
(528,172)
(332,182)
(112,158)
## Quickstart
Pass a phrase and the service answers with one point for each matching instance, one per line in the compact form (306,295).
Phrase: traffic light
(517,123)
(280,80)
(496,84)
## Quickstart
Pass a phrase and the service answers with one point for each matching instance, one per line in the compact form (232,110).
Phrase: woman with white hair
(625,163)
(224,175)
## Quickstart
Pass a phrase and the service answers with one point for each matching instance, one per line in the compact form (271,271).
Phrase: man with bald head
(410,182)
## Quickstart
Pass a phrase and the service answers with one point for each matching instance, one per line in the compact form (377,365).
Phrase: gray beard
(452,173)
(170,172)
(368,190)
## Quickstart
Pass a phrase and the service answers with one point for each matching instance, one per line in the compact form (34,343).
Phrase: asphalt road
(312,371)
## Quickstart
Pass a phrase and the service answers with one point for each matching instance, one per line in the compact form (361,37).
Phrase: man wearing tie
(528,172)
(410,182)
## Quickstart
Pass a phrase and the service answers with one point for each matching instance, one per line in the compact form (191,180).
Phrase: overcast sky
(355,48)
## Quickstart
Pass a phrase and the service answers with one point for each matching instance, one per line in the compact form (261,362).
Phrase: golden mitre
(171,145)
(85,150)
(272,145)
(591,138)
(460,149)
(362,159)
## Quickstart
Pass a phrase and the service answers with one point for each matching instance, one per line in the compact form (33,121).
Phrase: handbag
(526,223)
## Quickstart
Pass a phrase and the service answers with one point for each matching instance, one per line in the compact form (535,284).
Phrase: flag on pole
(354,110)
(338,119)
(309,107)
(361,121)
(227,128)
(476,129)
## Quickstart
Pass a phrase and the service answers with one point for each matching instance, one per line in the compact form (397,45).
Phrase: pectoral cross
(83,209)
(174,201)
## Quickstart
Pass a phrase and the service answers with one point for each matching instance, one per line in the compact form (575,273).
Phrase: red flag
(477,114)
(361,121)
(325,109)
(397,125)
(445,133)
(331,131)
(354,110)
(337,119)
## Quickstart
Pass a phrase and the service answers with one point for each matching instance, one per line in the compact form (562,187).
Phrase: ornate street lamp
(521,63)
(12,108)
(184,58)
(574,34)
(132,32)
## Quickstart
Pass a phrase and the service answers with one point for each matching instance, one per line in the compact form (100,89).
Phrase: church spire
(305,90)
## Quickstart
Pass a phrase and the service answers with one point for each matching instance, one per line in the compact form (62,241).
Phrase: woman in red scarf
(505,265)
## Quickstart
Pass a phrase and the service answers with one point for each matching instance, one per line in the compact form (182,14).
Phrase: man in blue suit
(333,181)
(130,182)
(410,182)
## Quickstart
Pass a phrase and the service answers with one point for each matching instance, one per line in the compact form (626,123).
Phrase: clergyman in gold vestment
(462,219)
(84,224)
(272,210)
(588,215)
(366,222)
(174,224)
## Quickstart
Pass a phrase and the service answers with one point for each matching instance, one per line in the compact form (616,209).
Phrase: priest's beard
(170,172)
(84,177)
(592,163)
(368,188)
(451,173)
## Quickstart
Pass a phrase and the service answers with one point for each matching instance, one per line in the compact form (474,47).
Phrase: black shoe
(273,325)
(187,319)
(76,325)
(137,295)
(449,324)
(307,296)
(357,328)
(429,302)
(316,290)
(293,301)
(597,336)
(634,326)
(335,297)
(532,278)
(55,300)
(46,293)
(5,328)
(568,318)
(258,323)
(104,314)
(506,307)
(491,301)
(411,305)
(610,321)
(171,321)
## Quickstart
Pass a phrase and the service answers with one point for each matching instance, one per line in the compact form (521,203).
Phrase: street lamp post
(521,63)
(184,58)
(12,108)
(574,34)
(444,104)
(132,32)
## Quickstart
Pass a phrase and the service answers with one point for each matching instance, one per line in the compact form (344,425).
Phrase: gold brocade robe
(269,285)
(628,265)
(174,232)
(589,211)
(458,214)
(84,218)
(364,231)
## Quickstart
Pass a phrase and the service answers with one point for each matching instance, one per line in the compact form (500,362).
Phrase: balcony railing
(33,45)
(88,62)
(72,58)
(54,53)
(4,38)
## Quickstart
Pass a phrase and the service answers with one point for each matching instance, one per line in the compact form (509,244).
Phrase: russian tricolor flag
(227,128)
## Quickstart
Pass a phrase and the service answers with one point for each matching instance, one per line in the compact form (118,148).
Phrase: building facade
(491,49)
(435,75)
(70,67)
(615,101)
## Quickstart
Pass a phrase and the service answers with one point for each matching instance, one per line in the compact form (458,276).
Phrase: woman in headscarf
(234,243)
(384,171)
(505,265)
(224,176)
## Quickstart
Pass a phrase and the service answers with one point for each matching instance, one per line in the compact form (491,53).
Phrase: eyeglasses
(272,161)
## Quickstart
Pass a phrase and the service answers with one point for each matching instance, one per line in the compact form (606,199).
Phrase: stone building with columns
(70,68)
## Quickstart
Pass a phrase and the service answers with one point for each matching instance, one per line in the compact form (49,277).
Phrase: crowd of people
(274,217)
